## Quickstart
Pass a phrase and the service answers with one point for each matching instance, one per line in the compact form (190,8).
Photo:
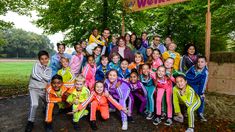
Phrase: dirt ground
(14,113)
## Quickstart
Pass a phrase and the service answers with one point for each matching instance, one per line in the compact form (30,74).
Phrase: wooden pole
(123,24)
(208,32)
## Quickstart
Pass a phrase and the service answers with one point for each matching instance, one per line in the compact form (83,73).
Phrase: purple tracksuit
(120,91)
(138,90)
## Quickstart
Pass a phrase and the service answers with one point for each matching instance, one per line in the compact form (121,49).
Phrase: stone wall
(222,78)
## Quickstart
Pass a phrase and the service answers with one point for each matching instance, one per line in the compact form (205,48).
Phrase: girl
(99,101)
(77,59)
(77,97)
(147,79)
(123,71)
(189,58)
(133,39)
(115,63)
(197,77)
(139,60)
(137,90)
(66,73)
(168,63)
(182,92)
(128,42)
(97,54)
(163,84)
(149,52)
(120,91)
(171,53)
(157,61)
(89,72)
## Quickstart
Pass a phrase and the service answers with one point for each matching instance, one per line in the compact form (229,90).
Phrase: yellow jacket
(175,56)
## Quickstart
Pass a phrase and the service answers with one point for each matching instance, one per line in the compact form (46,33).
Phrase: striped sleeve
(114,102)
(203,83)
(36,72)
(85,103)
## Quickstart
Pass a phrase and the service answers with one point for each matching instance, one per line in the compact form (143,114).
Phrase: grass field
(14,77)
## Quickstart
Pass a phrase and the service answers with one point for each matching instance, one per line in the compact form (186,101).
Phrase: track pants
(104,110)
(160,94)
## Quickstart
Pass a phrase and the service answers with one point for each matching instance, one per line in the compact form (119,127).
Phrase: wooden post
(208,33)
(123,25)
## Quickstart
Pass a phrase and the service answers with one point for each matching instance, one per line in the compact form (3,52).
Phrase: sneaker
(124,125)
(157,121)
(130,119)
(76,126)
(190,130)
(29,126)
(49,127)
(168,122)
(202,118)
(112,110)
(179,119)
(163,116)
(150,116)
(93,125)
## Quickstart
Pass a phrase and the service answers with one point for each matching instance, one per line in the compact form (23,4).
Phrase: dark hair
(181,76)
(169,37)
(94,28)
(75,44)
(125,60)
(97,83)
(112,70)
(90,56)
(107,29)
(43,52)
(144,33)
(201,57)
(56,76)
(126,35)
(137,43)
(97,47)
(120,39)
(58,44)
(104,56)
(134,71)
(156,36)
(188,46)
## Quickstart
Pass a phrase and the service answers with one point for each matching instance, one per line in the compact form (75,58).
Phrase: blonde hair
(138,53)
(80,78)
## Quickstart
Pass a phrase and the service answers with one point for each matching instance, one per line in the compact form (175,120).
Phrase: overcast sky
(25,23)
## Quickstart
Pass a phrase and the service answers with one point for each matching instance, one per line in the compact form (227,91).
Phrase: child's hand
(106,93)
(76,102)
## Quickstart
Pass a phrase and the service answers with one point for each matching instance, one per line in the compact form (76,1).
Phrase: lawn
(14,77)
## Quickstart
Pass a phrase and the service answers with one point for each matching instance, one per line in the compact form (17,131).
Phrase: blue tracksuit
(101,73)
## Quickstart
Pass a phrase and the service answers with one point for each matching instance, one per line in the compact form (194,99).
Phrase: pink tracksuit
(89,73)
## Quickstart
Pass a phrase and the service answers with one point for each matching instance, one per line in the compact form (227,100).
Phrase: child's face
(95,32)
(56,84)
(114,40)
(79,85)
(145,69)
(44,60)
(168,41)
(127,38)
(78,48)
(133,38)
(133,78)
(155,55)
(138,59)
(149,52)
(64,63)
(121,43)
(91,61)
(83,44)
(61,49)
(180,82)
(124,65)
(115,59)
(97,51)
(201,63)
(112,76)
(161,72)
(99,88)
(172,47)
(144,36)
(169,63)
(191,50)
(104,61)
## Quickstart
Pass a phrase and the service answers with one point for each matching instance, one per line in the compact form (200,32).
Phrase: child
(197,77)
(55,95)
(78,95)
(55,59)
(102,69)
(89,72)
(40,76)
(147,79)
(97,54)
(182,92)
(113,43)
(128,42)
(123,71)
(163,84)
(144,44)
(137,90)
(156,62)
(115,63)
(168,63)
(120,91)
(171,53)
(139,60)
(77,59)
(149,52)
(66,73)
(99,101)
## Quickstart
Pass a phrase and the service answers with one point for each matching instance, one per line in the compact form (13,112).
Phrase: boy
(123,71)
(56,94)
(102,69)
(40,76)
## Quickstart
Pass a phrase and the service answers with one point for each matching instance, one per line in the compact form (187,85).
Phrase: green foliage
(19,43)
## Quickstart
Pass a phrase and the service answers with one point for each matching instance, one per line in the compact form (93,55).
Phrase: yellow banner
(138,5)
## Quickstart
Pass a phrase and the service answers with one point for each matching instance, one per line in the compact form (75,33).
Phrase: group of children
(158,78)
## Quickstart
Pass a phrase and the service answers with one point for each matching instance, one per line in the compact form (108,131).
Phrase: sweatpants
(35,94)
(150,101)
(160,93)
(104,110)
(142,99)
(190,112)
(78,115)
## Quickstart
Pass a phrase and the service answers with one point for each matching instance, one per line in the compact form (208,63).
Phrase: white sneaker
(124,125)
(190,130)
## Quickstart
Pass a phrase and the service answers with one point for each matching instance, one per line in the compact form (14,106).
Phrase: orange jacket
(52,97)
